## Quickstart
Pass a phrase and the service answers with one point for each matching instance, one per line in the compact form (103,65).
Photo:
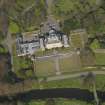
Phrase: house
(55,39)
(27,43)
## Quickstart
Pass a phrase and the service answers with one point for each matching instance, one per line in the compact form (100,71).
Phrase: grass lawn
(75,83)
(100,82)
(36,102)
(70,64)
(100,58)
(64,50)
(95,44)
(70,102)
(45,68)
(13,28)
(59,101)
(44,53)
(103,104)
(67,83)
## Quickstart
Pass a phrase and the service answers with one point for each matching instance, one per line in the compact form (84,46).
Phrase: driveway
(50,19)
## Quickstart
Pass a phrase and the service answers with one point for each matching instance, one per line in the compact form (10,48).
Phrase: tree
(50,102)
(89,81)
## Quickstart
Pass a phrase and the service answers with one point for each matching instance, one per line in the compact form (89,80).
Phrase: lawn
(95,45)
(71,102)
(43,53)
(100,82)
(75,83)
(100,58)
(36,102)
(59,101)
(13,28)
(45,68)
(70,64)
(64,50)
(67,83)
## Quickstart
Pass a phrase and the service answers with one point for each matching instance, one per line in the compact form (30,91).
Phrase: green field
(70,64)
(68,83)
(13,27)
(64,50)
(100,58)
(75,83)
(59,101)
(95,45)
(45,68)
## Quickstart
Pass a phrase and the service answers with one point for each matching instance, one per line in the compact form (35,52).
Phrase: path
(58,55)
(75,75)
(58,72)
(99,50)
(49,4)
(8,42)
(50,18)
